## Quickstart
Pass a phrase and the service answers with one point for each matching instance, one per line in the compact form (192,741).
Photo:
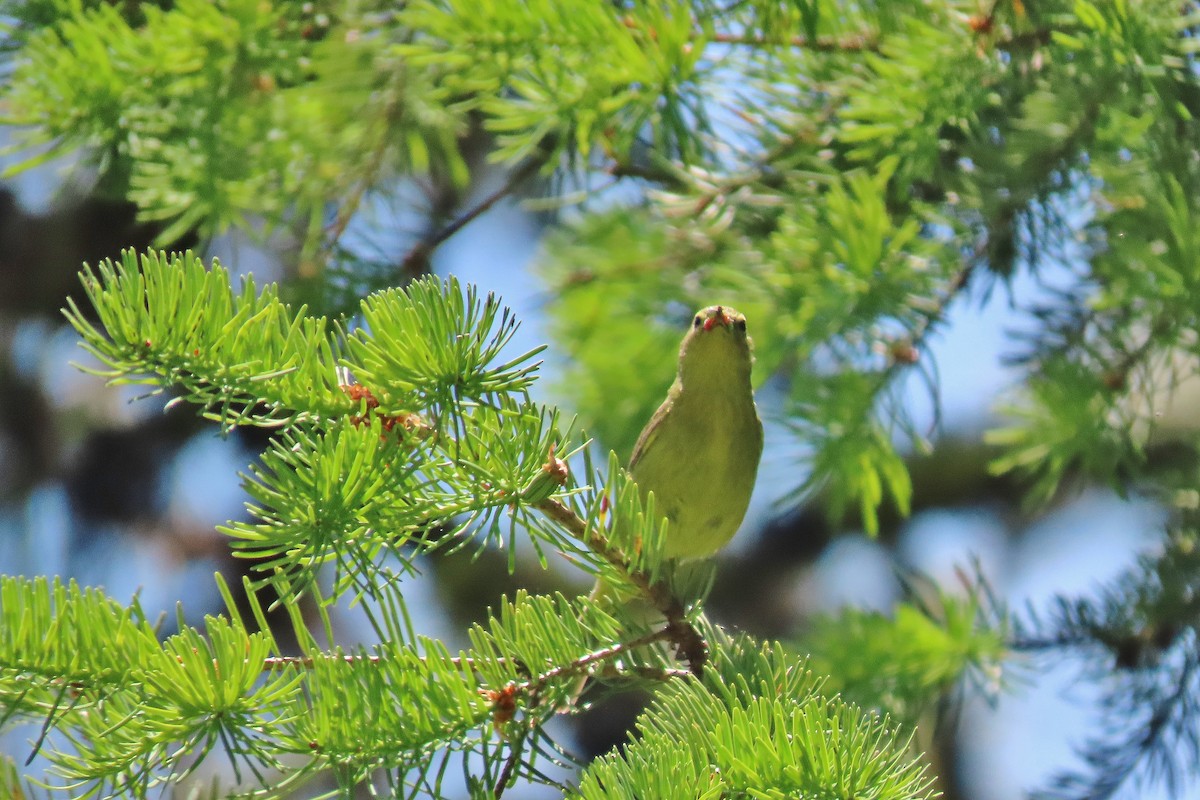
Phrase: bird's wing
(649,433)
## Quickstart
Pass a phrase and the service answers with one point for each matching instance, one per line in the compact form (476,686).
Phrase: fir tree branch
(531,687)
(690,645)
(1139,634)
(1147,746)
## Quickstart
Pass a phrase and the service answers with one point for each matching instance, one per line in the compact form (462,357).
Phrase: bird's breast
(702,469)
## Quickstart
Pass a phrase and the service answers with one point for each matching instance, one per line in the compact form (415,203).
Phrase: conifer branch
(532,686)
(690,645)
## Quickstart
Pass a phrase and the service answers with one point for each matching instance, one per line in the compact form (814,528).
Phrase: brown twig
(689,644)
(510,763)
(536,684)
(419,254)
(533,688)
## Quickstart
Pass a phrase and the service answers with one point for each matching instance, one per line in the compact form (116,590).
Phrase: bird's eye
(698,321)
(740,324)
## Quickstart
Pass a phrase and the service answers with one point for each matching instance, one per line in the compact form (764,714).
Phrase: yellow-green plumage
(699,453)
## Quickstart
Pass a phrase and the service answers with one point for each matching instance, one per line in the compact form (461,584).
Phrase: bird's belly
(705,488)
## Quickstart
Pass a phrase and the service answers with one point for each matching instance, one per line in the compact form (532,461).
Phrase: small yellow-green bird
(699,453)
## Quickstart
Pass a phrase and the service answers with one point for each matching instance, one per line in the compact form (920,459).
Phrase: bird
(698,455)
(699,452)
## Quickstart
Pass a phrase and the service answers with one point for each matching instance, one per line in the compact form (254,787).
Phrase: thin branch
(361,185)
(530,686)
(48,725)
(510,763)
(533,688)
(856,43)
(417,257)
(648,673)
(1118,763)
(1038,644)
(852,43)
(308,662)
(906,354)
(690,645)
(535,685)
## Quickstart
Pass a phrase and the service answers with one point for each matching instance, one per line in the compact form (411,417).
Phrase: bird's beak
(719,318)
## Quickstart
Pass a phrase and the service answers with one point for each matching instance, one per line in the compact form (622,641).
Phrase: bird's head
(716,348)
